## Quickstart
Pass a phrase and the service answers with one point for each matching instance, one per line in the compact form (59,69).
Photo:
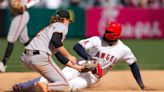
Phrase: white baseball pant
(18,28)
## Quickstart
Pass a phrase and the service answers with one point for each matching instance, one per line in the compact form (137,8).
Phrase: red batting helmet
(112,31)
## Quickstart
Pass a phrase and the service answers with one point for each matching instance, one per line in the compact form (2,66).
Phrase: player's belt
(35,52)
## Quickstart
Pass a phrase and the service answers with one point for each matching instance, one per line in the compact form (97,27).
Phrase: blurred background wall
(140,18)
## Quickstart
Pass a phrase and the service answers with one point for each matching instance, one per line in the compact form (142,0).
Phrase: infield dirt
(113,81)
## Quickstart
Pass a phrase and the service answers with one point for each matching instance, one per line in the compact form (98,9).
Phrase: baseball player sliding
(107,49)
(18,27)
(46,43)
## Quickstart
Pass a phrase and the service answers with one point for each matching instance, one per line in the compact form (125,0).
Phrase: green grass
(150,54)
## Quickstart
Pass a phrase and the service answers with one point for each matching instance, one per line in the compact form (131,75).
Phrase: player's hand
(72,59)
(75,66)
(145,88)
(78,67)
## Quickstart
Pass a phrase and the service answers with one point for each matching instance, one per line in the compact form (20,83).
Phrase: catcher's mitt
(89,65)
(17,6)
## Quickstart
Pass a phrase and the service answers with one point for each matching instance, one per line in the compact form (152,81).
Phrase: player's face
(67,21)
(70,21)
(110,35)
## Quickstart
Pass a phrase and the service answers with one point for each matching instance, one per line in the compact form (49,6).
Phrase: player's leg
(25,58)
(6,56)
(29,84)
(18,24)
(11,40)
(83,81)
(24,38)
(70,73)
(8,52)
(47,68)
(56,78)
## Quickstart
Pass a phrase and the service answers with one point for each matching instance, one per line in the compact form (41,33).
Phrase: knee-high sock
(8,52)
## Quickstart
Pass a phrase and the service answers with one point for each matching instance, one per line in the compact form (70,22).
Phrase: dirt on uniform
(113,81)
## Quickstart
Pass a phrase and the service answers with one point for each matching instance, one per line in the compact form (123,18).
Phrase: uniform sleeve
(32,3)
(90,42)
(136,73)
(61,58)
(129,56)
(59,28)
(56,40)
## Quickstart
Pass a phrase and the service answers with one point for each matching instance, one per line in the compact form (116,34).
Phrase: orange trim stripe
(53,84)
(57,70)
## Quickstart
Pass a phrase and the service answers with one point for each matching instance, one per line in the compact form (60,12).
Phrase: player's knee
(77,84)
(11,40)
(70,73)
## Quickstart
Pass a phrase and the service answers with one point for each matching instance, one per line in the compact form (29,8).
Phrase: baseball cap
(63,14)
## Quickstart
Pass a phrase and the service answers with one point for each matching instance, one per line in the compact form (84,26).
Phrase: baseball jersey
(29,3)
(106,54)
(42,41)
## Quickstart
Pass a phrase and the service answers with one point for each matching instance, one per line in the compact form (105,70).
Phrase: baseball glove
(89,65)
(17,6)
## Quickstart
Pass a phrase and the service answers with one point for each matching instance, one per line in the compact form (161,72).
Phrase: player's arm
(61,58)
(81,51)
(136,73)
(131,60)
(66,62)
(57,43)
(86,44)
(32,3)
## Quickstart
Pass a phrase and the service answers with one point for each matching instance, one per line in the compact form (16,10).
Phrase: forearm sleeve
(61,58)
(136,74)
(81,52)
